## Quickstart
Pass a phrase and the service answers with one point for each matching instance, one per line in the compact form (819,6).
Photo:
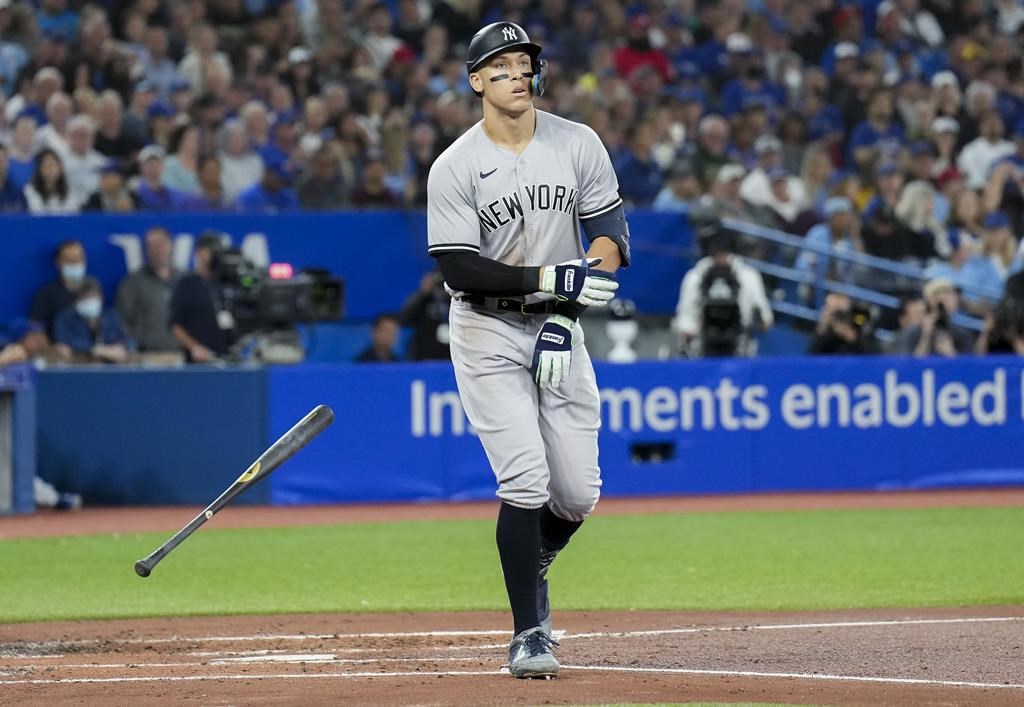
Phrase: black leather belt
(510,305)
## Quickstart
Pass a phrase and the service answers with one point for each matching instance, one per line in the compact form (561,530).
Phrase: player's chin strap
(538,79)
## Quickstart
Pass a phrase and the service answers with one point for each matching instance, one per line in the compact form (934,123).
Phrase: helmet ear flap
(540,71)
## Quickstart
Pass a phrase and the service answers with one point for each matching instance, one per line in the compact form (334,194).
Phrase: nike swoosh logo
(485,176)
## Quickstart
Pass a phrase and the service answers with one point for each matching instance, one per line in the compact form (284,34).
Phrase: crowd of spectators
(892,128)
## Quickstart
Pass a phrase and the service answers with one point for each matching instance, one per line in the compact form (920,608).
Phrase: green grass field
(706,561)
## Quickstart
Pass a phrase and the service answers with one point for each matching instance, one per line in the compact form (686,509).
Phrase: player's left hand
(552,353)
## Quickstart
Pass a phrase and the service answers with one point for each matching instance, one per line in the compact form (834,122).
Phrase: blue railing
(820,284)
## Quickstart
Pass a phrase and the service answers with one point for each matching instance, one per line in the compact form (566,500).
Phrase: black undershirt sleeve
(475,274)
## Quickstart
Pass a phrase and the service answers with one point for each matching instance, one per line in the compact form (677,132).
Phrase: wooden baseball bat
(277,454)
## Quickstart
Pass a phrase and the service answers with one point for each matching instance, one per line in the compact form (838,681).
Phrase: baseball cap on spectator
(278,164)
(159,109)
(938,285)
(729,172)
(405,55)
(948,175)
(778,174)
(640,21)
(847,50)
(997,219)
(945,78)
(945,124)
(22,326)
(755,101)
(837,205)
(739,43)
(110,166)
(767,143)
(920,148)
(886,169)
(150,152)
(286,117)
(690,94)
(847,13)
(297,55)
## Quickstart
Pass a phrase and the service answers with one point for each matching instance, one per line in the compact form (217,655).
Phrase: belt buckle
(522,309)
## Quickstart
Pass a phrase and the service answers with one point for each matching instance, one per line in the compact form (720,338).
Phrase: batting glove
(552,353)
(574,281)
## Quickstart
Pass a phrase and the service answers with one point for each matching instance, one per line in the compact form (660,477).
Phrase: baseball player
(505,204)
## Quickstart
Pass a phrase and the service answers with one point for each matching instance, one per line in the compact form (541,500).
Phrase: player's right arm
(453,237)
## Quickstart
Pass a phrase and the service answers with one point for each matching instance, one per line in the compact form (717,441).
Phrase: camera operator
(936,335)
(721,301)
(199,318)
(1003,332)
(426,311)
(843,328)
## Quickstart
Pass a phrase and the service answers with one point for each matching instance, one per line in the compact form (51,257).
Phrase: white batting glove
(552,354)
(574,281)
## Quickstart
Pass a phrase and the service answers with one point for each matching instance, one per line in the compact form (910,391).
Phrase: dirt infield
(947,656)
(958,655)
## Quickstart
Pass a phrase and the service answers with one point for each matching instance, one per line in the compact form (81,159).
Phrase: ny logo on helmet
(509,33)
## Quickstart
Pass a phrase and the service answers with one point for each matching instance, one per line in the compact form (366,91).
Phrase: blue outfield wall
(727,426)
(724,426)
(381,255)
(139,437)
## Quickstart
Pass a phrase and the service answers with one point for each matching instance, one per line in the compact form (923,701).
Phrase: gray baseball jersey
(524,210)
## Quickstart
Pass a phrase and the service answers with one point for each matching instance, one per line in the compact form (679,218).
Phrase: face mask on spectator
(89,308)
(74,272)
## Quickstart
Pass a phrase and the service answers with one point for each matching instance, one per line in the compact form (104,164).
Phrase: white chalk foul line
(294,637)
(778,627)
(505,632)
(280,676)
(477,673)
(245,660)
(799,676)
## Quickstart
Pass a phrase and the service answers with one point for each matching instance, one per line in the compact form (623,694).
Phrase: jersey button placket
(529,227)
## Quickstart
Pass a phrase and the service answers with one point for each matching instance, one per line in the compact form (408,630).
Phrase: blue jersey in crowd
(162,199)
(256,198)
(887,142)
(71,329)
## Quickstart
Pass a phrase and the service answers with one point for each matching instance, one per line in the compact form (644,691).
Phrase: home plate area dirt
(930,656)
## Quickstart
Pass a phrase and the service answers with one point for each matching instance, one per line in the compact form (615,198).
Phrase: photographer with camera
(843,328)
(1003,332)
(199,317)
(721,301)
(936,335)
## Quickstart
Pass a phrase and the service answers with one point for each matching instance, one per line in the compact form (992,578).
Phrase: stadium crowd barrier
(381,255)
(716,426)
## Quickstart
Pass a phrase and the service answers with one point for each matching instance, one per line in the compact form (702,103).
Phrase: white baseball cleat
(530,656)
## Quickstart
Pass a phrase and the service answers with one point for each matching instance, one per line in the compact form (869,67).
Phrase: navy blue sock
(556,531)
(518,537)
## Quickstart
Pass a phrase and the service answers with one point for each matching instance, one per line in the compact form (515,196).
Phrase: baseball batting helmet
(502,36)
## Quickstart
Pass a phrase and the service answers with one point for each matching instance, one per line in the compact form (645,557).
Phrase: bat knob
(142,569)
